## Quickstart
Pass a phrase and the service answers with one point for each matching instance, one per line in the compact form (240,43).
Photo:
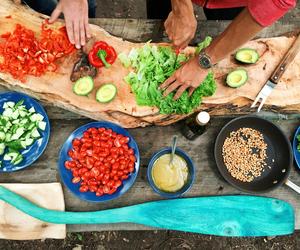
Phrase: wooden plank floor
(208,180)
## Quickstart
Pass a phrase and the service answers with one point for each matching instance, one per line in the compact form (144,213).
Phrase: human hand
(181,29)
(76,18)
(188,76)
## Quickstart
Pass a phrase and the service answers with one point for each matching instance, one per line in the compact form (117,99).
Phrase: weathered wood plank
(142,30)
(208,180)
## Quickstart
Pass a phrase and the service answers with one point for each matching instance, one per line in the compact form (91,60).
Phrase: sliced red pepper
(22,54)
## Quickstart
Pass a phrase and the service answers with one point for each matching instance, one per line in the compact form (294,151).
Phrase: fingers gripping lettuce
(151,66)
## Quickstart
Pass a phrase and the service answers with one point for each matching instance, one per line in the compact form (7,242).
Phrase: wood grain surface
(56,87)
(15,225)
(238,215)
(207,182)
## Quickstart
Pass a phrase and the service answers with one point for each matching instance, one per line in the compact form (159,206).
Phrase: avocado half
(237,78)
(246,55)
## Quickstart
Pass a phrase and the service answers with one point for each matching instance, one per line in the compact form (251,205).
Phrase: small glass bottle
(195,125)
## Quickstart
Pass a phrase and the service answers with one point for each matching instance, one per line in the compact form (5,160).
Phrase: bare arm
(242,29)
(190,75)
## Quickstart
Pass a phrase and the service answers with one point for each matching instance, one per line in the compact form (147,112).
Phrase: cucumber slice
(31,126)
(8,137)
(83,86)
(12,155)
(23,144)
(16,121)
(2,148)
(19,132)
(31,110)
(35,133)
(106,93)
(8,112)
(23,113)
(36,117)
(14,128)
(2,136)
(6,157)
(42,125)
(29,141)
(24,121)
(15,115)
(10,104)
(18,160)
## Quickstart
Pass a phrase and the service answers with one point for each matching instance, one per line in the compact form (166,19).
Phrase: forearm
(182,7)
(242,29)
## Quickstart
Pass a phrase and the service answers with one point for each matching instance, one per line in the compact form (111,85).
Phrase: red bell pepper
(102,55)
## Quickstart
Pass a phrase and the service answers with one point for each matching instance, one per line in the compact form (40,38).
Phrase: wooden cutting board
(56,88)
(16,225)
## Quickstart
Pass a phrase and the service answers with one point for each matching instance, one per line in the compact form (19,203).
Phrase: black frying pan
(279,149)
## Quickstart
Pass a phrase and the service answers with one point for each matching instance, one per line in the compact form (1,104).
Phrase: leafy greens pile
(152,65)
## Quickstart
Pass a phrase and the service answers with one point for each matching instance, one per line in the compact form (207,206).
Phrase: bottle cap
(203,118)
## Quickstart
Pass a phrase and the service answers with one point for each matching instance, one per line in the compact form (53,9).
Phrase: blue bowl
(32,153)
(295,144)
(191,175)
(66,174)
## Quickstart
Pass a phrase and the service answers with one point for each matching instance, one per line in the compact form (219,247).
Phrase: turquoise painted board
(216,215)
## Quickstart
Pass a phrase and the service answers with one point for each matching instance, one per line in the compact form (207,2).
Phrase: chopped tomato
(106,160)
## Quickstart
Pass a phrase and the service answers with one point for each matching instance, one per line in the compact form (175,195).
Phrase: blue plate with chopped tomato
(67,176)
(296,142)
(33,152)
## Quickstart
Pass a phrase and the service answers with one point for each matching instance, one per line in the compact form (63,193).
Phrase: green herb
(152,65)
(298,146)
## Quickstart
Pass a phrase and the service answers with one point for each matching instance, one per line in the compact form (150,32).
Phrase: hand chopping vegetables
(181,28)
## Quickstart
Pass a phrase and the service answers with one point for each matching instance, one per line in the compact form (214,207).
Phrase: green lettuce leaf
(151,66)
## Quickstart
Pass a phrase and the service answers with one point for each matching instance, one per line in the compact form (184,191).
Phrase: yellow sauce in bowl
(169,178)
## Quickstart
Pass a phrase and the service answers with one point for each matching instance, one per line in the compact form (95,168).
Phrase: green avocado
(237,78)
(246,55)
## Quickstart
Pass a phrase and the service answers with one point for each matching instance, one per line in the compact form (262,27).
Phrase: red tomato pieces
(22,54)
(100,161)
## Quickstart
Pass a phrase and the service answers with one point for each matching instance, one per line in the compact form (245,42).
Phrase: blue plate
(32,153)
(191,175)
(66,174)
(295,144)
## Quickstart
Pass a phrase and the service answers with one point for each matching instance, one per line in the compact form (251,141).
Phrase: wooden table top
(208,181)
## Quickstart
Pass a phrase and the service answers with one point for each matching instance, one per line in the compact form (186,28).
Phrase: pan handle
(293,186)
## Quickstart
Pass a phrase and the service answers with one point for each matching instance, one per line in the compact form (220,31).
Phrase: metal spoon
(174,143)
